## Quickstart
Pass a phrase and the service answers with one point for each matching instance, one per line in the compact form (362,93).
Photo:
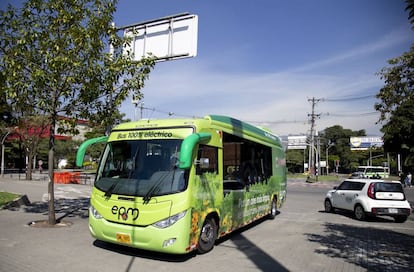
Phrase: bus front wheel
(208,235)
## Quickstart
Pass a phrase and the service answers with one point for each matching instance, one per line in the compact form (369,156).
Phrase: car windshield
(141,168)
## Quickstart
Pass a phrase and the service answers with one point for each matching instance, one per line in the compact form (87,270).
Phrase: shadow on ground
(370,248)
(350,215)
(134,252)
(78,207)
(258,256)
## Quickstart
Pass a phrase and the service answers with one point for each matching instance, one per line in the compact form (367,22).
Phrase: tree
(339,138)
(30,130)
(55,62)
(397,102)
(410,9)
(99,129)
(294,160)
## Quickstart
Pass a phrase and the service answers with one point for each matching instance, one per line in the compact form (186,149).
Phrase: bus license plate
(391,210)
(123,238)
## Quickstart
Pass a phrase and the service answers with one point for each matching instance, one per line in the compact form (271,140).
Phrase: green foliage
(336,138)
(66,150)
(294,160)
(397,104)
(55,61)
(410,9)
(339,140)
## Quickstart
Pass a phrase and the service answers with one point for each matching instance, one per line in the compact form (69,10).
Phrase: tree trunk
(51,192)
(29,166)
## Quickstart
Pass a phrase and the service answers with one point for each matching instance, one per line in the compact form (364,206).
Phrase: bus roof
(240,128)
(224,123)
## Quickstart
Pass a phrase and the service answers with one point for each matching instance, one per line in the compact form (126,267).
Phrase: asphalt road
(301,238)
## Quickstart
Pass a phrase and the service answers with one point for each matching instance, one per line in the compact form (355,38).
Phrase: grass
(6,197)
(329,178)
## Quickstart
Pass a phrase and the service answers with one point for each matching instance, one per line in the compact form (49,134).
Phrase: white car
(369,197)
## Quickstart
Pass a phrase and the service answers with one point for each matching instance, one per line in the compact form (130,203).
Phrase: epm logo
(124,213)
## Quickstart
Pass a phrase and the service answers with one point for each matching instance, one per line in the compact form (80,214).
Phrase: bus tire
(208,235)
(273,209)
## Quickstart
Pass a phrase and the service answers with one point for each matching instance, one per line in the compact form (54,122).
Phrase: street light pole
(327,157)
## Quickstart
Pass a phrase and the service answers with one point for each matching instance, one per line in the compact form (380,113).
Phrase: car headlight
(169,221)
(95,213)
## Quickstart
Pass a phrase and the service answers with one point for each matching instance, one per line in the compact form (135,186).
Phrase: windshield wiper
(156,186)
(108,193)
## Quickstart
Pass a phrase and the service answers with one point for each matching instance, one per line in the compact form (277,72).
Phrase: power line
(277,122)
(351,114)
(151,110)
(343,99)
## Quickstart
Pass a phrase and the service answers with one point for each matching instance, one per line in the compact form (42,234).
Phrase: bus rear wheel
(208,235)
(273,209)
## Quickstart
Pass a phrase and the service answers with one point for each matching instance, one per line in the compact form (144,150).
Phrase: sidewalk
(70,199)
(24,248)
(37,190)
(301,238)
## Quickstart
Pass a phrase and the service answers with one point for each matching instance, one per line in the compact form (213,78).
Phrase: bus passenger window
(246,161)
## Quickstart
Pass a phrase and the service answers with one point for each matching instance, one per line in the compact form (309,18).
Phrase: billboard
(365,142)
(166,38)
(297,142)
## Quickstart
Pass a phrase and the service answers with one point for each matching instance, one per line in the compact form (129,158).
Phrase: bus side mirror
(187,147)
(82,149)
(203,163)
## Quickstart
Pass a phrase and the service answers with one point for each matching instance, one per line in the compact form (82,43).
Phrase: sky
(264,61)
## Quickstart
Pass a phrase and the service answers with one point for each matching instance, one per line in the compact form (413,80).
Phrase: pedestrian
(408,179)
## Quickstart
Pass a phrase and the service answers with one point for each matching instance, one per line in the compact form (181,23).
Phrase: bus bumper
(173,239)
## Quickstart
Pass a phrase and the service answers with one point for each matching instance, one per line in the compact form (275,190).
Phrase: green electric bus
(374,171)
(177,185)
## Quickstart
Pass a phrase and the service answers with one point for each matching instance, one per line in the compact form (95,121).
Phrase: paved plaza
(301,238)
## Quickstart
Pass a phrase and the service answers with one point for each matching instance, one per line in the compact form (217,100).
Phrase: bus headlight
(165,223)
(95,213)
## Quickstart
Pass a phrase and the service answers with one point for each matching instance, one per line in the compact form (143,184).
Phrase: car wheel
(359,212)
(328,206)
(400,218)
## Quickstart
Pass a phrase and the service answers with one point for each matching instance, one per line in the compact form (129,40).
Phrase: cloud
(279,99)
(276,100)
(392,39)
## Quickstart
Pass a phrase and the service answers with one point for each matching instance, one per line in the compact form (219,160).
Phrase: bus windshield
(143,168)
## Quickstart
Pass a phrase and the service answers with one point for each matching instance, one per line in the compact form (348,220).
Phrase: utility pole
(313,117)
